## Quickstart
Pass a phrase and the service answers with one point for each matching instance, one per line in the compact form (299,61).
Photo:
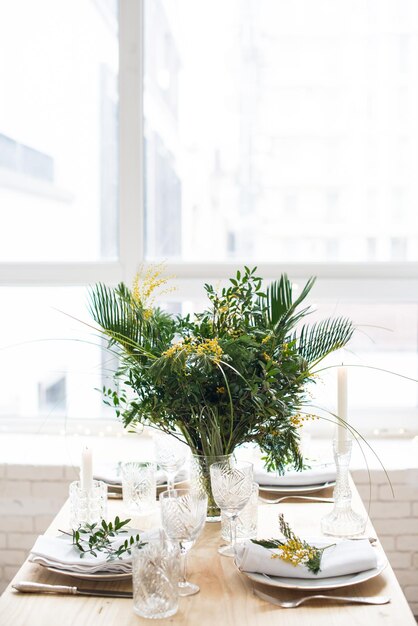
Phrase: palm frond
(281,310)
(112,310)
(317,340)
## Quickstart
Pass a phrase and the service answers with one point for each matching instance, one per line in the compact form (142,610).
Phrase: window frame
(131,208)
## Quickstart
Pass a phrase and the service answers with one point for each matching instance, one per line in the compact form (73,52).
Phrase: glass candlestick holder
(87,506)
(342,521)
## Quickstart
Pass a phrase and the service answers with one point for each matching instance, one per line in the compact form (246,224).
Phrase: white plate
(294,489)
(320,583)
(117,488)
(96,576)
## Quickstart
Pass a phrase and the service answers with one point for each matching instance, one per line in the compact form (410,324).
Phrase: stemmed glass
(183,515)
(232,485)
(170,456)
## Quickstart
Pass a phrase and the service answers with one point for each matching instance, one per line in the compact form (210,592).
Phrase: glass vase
(200,480)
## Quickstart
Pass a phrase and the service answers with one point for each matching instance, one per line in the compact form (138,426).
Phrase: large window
(58,131)
(281,131)
(208,134)
(59,65)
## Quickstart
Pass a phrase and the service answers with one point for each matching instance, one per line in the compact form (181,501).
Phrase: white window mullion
(59,274)
(131,206)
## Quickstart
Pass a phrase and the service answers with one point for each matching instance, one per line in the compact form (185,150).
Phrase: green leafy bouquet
(235,373)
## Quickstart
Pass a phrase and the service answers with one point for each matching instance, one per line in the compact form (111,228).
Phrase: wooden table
(226,597)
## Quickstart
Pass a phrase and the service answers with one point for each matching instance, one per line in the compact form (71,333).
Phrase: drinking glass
(155,574)
(232,486)
(139,486)
(170,456)
(247,520)
(183,515)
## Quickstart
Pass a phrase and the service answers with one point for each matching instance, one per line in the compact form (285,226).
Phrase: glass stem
(183,565)
(233,530)
(170,480)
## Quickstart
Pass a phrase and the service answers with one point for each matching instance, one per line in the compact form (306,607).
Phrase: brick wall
(30,497)
(396,522)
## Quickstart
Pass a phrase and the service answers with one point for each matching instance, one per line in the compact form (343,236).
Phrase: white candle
(86,472)
(342,432)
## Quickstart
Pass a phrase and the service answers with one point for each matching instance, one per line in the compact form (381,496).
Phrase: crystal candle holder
(87,506)
(343,521)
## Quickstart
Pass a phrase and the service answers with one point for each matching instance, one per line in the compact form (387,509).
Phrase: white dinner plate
(96,576)
(312,584)
(116,487)
(294,489)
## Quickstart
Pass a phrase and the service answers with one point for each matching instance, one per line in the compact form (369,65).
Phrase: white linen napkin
(315,475)
(346,557)
(60,553)
(112,475)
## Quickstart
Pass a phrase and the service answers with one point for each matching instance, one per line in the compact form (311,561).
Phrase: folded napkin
(112,475)
(346,557)
(315,475)
(59,552)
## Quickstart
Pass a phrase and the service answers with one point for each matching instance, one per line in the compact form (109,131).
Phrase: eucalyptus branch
(94,538)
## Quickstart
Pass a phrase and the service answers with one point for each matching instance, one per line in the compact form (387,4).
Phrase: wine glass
(170,456)
(232,485)
(183,515)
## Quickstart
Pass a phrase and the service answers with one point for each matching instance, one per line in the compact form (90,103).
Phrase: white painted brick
(394,510)
(22,541)
(414,609)
(364,492)
(10,571)
(388,543)
(41,522)
(415,509)
(2,470)
(14,488)
(29,506)
(407,542)
(378,477)
(415,561)
(16,523)
(403,493)
(11,507)
(51,489)
(399,560)
(13,557)
(71,473)
(411,593)
(407,578)
(35,472)
(362,477)
(397,477)
(3,540)
(412,476)
(3,585)
(397,527)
